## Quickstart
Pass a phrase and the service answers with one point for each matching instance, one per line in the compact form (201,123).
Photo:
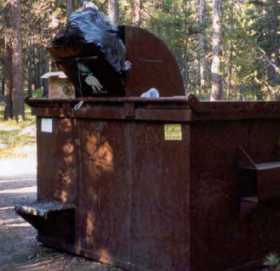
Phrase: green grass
(14,144)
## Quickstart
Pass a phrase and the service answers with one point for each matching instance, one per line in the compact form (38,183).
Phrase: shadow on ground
(19,248)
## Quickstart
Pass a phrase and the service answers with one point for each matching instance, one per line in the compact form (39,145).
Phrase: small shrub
(272,262)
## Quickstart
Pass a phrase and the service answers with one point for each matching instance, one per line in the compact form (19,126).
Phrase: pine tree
(216,90)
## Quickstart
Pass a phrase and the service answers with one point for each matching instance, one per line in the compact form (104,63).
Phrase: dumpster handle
(262,185)
(79,105)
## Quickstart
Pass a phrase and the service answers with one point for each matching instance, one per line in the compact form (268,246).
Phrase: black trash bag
(88,25)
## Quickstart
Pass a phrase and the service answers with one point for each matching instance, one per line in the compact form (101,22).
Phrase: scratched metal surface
(221,235)
(58,164)
(145,203)
(104,192)
(128,215)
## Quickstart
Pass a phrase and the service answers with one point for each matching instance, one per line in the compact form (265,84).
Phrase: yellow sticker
(173,132)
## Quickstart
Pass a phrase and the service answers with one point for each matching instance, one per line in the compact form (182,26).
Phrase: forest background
(226,49)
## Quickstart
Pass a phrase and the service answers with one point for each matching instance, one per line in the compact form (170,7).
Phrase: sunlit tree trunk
(17,65)
(113,11)
(274,54)
(30,73)
(8,54)
(2,86)
(230,58)
(8,80)
(186,68)
(136,12)
(201,42)
(186,57)
(31,65)
(275,34)
(44,68)
(216,90)
(229,77)
(69,8)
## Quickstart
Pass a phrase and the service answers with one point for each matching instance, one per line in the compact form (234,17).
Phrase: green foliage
(272,262)
(13,139)
(250,41)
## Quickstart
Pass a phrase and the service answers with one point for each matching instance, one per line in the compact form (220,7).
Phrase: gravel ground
(19,248)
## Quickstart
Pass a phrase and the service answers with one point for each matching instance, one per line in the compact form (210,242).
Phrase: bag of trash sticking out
(89,25)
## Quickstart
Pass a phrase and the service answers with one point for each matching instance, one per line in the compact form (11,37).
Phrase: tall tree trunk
(69,8)
(186,68)
(274,54)
(230,58)
(185,57)
(201,42)
(30,71)
(37,68)
(2,86)
(17,66)
(229,78)
(30,58)
(44,69)
(136,6)
(8,59)
(216,90)
(8,112)
(276,38)
(113,10)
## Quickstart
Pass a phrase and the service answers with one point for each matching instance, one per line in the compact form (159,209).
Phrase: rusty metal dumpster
(166,184)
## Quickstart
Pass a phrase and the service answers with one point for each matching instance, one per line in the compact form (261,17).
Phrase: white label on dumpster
(173,132)
(47,125)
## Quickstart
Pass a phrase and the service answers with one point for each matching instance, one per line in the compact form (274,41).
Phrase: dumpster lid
(153,66)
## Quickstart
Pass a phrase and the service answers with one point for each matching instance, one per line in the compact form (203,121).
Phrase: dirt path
(19,249)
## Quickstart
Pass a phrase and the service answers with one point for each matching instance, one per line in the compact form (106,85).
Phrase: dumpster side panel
(57,160)
(221,236)
(105,193)
(160,201)
(150,197)
(132,214)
